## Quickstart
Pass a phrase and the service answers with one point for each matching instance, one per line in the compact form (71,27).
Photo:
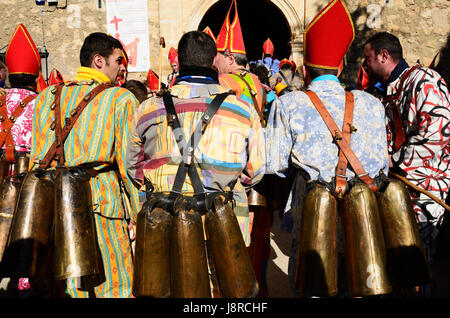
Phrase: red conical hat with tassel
(152,80)
(55,77)
(230,35)
(328,36)
(41,84)
(363,82)
(22,56)
(208,31)
(173,55)
(268,47)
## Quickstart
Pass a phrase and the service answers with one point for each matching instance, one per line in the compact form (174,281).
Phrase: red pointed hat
(22,56)
(286,61)
(208,31)
(173,54)
(363,82)
(152,80)
(268,47)
(230,35)
(41,84)
(55,77)
(328,36)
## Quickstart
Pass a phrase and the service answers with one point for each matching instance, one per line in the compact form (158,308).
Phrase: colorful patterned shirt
(287,77)
(98,138)
(232,146)
(235,83)
(425,155)
(21,129)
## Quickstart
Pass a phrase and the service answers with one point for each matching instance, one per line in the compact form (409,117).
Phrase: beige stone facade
(421,25)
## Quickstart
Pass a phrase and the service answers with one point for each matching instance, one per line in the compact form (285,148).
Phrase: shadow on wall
(354,55)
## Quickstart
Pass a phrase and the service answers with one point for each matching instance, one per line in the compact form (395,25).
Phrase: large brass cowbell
(381,238)
(365,254)
(75,239)
(9,191)
(27,250)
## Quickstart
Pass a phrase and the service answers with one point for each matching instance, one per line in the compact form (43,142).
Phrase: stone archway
(290,13)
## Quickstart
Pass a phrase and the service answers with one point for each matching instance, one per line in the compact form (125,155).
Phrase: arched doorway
(260,19)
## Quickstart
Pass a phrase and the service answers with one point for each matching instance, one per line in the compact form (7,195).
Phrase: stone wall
(421,25)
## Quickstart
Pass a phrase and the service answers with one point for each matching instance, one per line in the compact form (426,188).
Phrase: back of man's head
(196,48)
(22,80)
(98,43)
(388,42)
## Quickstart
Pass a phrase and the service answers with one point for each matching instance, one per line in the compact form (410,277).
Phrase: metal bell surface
(27,250)
(151,274)
(189,267)
(317,255)
(406,259)
(365,253)
(233,267)
(76,252)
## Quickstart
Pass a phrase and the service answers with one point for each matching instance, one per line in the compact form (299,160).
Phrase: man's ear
(230,59)
(384,55)
(98,62)
(304,71)
(215,60)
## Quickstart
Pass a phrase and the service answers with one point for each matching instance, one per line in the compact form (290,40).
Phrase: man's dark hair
(286,66)
(98,43)
(22,80)
(262,72)
(196,48)
(316,72)
(388,42)
(137,88)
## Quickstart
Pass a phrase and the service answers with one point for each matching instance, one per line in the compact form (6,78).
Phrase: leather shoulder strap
(343,145)
(347,130)
(56,150)
(254,99)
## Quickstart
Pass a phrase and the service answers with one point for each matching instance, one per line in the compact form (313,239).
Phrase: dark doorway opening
(260,19)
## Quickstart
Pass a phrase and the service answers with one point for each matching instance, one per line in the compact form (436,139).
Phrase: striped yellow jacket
(99,137)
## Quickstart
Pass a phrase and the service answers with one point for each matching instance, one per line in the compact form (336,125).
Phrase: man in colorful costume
(98,140)
(287,75)
(173,59)
(17,104)
(231,148)
(418,112)
(268,61)
(297,139)
(231,65)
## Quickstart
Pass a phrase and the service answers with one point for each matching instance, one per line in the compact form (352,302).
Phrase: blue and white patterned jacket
(296,132)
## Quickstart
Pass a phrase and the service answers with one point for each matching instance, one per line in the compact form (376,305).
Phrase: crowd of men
(267,143)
